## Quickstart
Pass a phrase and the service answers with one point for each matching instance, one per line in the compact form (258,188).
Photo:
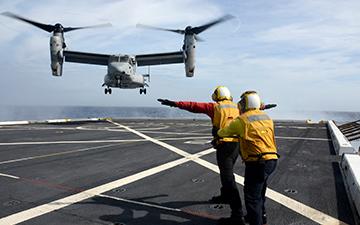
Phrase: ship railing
(351,130)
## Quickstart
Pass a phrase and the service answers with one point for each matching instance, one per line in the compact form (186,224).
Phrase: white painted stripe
(153,128)
(35,128)
(69,142)
(303,138)
(309,212)
(140,203)
(69,152)
(61,203)
(149,131)
(117,198)
(292,204)
(175,133)
(135,140)
(301,128)
(55,154)
(10,176)
(96,141)
(51,121)
(163,144)
(14,123)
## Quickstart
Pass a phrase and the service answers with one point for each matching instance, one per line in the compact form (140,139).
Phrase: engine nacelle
(189,50)
(56,54)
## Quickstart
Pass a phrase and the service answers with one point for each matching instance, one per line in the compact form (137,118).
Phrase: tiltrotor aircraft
(121,69)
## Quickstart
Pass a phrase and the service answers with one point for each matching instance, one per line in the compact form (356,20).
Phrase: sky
(300,54)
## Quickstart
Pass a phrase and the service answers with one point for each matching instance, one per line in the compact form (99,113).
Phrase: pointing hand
(167,102)
(269,106)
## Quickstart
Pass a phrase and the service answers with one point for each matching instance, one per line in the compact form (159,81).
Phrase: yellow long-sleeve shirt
(256,133)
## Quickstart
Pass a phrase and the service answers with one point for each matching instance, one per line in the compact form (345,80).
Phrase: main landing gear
(143,90)
(108,90)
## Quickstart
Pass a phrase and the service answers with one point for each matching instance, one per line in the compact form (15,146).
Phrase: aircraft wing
(160,58)
(88,58)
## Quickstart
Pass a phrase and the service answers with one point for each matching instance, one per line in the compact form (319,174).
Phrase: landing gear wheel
(143,90)
(108,90)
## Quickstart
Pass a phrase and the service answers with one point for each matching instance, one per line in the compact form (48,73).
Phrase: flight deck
(153,171)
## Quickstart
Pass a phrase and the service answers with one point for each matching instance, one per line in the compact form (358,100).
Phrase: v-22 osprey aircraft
(121,69)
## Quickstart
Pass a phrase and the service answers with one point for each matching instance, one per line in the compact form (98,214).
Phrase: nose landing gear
(108,90)
(143,90)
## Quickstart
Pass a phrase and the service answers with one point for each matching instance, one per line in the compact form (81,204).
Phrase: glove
(269,106)
(167,102)
(215,143)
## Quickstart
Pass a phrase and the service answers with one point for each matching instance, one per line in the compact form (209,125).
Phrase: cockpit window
(132,61)
(124,58)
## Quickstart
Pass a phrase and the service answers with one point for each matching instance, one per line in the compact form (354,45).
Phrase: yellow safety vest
(224,112)
(258,141)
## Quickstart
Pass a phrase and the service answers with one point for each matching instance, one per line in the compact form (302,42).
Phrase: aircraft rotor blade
(158,28)
(199,29)
(67,29)
(46,27)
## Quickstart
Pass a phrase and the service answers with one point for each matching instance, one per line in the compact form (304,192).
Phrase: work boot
(264,219)
(231,221)
(220,199)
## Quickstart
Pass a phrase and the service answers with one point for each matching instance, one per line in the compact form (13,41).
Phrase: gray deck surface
(40,164)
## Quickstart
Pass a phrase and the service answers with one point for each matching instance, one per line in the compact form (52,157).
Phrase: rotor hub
(58,28)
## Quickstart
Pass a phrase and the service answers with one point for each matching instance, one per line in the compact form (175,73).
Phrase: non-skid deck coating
(157,172)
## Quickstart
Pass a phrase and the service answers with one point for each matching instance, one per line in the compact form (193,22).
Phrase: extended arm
(194,107)
(235,128)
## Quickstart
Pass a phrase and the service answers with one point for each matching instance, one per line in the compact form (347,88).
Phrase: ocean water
(13,113)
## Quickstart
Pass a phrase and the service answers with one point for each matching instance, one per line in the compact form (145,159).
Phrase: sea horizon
(16,113)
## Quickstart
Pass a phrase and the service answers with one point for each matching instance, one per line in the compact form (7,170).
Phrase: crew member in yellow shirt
(255,130)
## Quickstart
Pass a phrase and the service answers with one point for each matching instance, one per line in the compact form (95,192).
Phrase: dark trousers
(226,155)
(256,176)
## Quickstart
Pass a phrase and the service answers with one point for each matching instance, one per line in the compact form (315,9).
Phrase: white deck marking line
(97,141)
(127,200)
(153,128)
(10,176)
(114,128)
(69,142)
(301,128)
(163,144)
(79,150)
(140,203)
(292,204)
(303,138)
(184,210)
(156,132)
(37,128)
(115,198)
(61,203)
(55,154)
(177,133)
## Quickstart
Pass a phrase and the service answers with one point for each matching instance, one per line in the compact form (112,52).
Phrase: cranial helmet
(249,100)
(221,93)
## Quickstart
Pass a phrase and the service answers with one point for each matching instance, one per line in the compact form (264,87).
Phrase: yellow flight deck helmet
(221,93)
(249,100)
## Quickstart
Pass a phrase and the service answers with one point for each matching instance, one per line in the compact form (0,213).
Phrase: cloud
(322,25)
(293,52)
